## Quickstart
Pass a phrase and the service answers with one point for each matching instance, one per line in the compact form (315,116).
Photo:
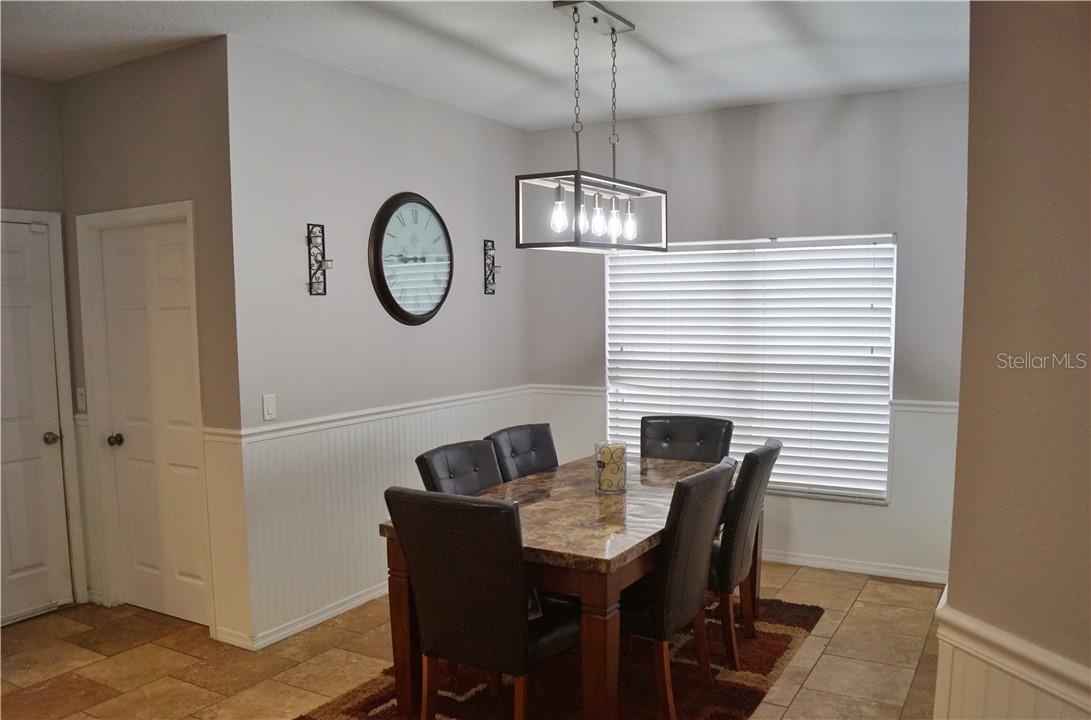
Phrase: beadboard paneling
(985,672)
(314,492)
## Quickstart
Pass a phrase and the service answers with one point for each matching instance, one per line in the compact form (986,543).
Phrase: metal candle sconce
(319,264)
(490,267)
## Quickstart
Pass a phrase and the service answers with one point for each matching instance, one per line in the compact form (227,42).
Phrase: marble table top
(567,523)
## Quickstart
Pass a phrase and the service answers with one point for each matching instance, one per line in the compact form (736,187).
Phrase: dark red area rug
(555,689)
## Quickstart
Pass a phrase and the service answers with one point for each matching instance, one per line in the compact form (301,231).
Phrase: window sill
(829,496)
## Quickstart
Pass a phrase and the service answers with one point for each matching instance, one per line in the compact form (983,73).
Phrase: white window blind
(789,341)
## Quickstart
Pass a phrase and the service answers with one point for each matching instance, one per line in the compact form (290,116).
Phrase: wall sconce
(490,267)
(316,252)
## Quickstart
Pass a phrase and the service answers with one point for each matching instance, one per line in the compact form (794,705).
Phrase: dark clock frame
(375,258)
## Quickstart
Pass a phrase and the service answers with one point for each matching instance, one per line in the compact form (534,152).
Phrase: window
(788,338)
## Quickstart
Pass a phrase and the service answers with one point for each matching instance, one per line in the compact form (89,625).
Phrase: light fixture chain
(577,126)
(613,100)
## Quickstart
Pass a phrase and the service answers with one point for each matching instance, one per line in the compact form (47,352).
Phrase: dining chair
(733,553)
(464,557)
(524,450)
(685,437)
(463,468)
(674,595)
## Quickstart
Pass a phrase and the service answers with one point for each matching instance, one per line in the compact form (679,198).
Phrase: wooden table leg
(600,648)
(403,633)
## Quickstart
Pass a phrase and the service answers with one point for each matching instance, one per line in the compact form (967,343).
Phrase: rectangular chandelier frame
(535,197)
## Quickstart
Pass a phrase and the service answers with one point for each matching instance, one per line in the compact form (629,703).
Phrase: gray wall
(1020,544)
(155,131)
(879,162)
(312,144)
(31,128)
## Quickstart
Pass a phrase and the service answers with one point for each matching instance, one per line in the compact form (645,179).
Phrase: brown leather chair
(464,468)
(675,594)
(685,437)
(733,553)
(524,450)
(464,556)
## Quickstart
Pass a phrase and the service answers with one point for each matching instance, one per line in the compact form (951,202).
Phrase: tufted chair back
(524,450)
(685,437)
(742,514)
(463,468)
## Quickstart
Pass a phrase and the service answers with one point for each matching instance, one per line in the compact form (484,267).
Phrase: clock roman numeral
(437,239)
(401,219)
(414,212)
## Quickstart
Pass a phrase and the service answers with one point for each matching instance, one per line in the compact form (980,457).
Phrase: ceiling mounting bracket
(597,16)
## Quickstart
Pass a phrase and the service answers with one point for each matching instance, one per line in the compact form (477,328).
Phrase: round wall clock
(410,258)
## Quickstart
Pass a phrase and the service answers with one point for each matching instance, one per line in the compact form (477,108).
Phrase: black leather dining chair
(733,553)
(463,468)
(675,593)
(685,437)
(464,557)
(524,450)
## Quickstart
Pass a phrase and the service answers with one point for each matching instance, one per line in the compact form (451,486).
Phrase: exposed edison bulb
(629,229)
(558,221)
(613,225)
(581,220)
(598,218)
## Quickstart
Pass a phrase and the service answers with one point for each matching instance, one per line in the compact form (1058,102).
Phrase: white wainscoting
(986,672)
(314,491)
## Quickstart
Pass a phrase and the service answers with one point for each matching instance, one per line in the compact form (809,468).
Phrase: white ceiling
(512,61)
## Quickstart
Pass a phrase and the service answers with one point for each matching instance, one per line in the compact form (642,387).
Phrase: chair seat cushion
(557,630)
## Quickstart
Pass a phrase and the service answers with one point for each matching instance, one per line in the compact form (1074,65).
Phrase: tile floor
(873,655)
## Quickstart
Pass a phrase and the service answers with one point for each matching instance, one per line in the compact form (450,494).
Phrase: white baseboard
(233,637)
(264,639)
(985,671)
(39,610)
(903,572)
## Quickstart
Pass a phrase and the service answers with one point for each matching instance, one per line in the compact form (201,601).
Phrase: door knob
(115,439)
(50,438)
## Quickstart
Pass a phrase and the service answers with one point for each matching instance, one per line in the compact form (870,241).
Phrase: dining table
(576,541)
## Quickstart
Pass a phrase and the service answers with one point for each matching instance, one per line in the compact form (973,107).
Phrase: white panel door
(156,423)
(36,570)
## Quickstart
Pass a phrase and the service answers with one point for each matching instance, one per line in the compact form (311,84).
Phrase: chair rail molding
(987,672)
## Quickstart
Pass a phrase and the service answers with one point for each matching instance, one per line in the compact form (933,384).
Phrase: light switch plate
(81,400)
(268,407)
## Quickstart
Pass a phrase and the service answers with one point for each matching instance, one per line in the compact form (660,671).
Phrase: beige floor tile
(828,623)
(767,711)
(193,641)
(775,574)
(826,596)
(886,592)
(34,633)
(233,670)
(814,705)
(919,704)
(374,643)
(136,667)
(54,658)
(168,620)
(55,698)
(876,645)
(270,700)
(311,642)
(831,577)
(97,614)
(886,618)
(787,685)
(366,617)
(121,635)
(165,699)
(6,687)
(860,679)
(808,652)
(80,716)
(333,672)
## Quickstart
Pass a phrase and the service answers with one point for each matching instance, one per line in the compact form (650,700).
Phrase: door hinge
(39,227)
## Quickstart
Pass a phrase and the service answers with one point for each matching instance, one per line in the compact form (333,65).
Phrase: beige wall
(155,131)
(31,127)
(1021,551)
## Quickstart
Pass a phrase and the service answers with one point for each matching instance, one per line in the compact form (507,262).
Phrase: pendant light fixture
(551,208)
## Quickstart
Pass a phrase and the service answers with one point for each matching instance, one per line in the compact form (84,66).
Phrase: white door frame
(76,552)
(107,547)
